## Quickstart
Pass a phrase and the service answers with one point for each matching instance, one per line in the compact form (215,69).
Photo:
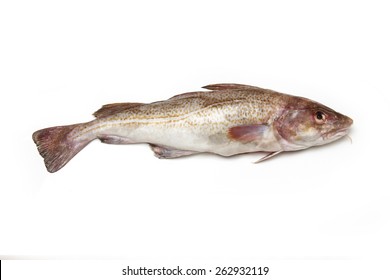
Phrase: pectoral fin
(247,133)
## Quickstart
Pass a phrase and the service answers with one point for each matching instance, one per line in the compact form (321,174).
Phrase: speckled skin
(203,122)
(196,121)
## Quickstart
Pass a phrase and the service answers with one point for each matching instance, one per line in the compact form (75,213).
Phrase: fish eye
(320,117)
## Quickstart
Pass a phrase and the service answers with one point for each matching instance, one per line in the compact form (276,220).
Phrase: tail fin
(56,147)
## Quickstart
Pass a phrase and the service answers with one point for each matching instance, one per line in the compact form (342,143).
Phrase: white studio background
(61,60)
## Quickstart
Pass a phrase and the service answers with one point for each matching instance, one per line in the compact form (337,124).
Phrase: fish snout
(347,122)
(343,122)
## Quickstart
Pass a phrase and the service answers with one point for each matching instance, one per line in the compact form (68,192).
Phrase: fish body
(228,119)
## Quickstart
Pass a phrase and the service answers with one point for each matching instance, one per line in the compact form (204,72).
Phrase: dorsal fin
(214,87)
(229,86)
(114,108)
(186,95)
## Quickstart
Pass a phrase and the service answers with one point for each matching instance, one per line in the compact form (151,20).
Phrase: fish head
(305,123)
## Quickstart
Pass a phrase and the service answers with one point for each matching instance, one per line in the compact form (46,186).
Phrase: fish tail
(57,147)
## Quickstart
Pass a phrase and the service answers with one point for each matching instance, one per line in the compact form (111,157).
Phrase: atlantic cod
(228,119)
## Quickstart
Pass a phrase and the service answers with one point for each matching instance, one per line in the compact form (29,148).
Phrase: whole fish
(228,119)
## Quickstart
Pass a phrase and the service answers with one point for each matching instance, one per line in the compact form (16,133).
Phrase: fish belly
(180,136)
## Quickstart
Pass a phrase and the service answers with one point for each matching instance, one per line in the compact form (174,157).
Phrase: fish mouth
(336,134)
(340,130)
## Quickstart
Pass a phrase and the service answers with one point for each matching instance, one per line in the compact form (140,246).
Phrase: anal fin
(167,152)
(114,139)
